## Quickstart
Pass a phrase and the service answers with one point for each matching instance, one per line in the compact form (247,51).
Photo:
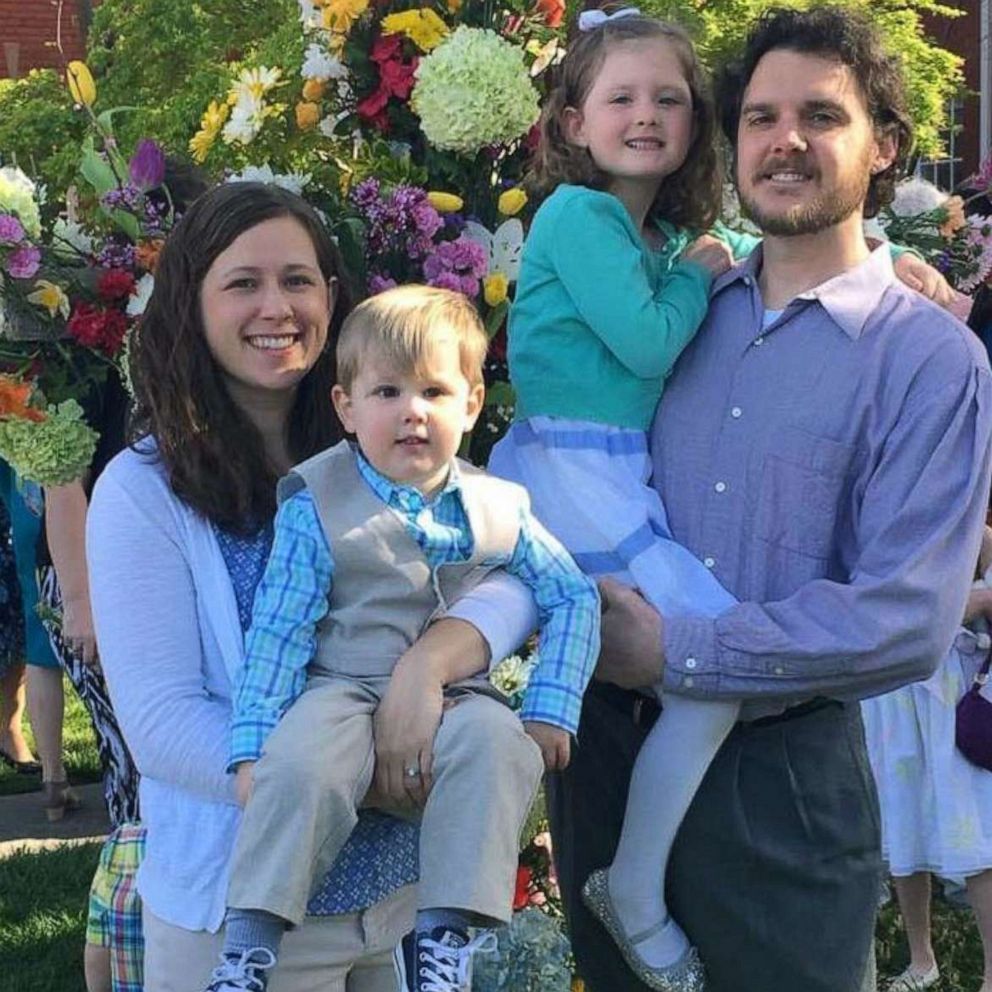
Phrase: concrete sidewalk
(23,824)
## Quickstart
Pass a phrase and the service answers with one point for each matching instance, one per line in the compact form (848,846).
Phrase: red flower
(397,77)
(386,47)
(521,892)
(115,284)
(553,10)
(98,327)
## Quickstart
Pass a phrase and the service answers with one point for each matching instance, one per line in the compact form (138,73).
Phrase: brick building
(28,30)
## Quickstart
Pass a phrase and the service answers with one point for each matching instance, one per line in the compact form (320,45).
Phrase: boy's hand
(711,253)
(555,744)
(244,781)
(405,725)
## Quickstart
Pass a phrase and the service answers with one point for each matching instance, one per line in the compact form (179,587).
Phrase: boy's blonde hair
(403,325)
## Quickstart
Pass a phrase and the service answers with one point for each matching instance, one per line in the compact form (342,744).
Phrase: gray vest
(384,592)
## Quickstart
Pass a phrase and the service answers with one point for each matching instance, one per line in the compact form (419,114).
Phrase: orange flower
(146,253)
(954,207)
(553,10)
(313,89)
(307,115)
(14,396)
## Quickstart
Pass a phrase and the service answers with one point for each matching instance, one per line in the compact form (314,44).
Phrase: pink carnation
(24,262)
(11,230)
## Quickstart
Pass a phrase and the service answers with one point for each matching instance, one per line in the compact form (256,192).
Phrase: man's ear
(886,149)
(573,127)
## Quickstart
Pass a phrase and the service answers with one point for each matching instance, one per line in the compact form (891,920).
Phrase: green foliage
(933,75)
(39,130)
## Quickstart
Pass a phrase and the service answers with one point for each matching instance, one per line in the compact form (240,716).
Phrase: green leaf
(495,318)
(500,394)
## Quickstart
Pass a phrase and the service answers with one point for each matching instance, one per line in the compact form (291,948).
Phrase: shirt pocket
(803,481)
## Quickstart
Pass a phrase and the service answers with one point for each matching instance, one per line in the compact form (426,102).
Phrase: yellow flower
(339,15)
(210,124)
(445,203)
(313,89)
(81,85)
(423,27)
(46,294)
(307,115)
(511,201)
(494,288)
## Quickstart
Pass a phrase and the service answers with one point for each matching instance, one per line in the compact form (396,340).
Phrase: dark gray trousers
(776,869)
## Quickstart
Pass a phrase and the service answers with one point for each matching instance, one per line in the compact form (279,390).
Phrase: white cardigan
(171,646)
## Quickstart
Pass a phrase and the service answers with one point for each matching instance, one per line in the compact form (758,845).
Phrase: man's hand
(77,631)
(555,744)
(244,780)
(925,279)
(632,655)
(405,725)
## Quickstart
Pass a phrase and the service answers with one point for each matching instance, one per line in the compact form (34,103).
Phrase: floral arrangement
(71,291)
(533,955)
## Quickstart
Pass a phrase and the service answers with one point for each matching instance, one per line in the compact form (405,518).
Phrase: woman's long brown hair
(213,453)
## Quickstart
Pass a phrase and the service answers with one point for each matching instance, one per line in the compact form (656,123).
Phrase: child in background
(614,283)
(371,542)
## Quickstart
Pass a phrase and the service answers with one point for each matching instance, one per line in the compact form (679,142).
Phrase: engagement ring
(411,772)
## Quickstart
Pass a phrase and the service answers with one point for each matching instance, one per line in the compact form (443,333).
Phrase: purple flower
(147,165)
(426,219)
(446,280)
(24,262)
(11,230)
(379,283)
(116,254)
(457,265)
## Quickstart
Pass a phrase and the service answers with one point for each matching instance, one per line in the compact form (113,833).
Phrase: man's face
(806,147)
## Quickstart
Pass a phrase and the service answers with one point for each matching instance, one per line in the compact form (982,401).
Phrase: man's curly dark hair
(848,38)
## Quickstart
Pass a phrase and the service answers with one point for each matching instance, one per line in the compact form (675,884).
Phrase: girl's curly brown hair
(213,453)
(690,197)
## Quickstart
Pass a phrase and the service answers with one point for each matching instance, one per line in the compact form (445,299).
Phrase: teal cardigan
(599,319)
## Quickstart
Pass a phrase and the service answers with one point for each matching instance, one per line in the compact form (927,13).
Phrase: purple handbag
(973,721)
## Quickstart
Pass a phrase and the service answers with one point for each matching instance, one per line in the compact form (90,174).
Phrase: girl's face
(266,309)
(636,119)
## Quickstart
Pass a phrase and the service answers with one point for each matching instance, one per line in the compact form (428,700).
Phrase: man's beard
(822,212)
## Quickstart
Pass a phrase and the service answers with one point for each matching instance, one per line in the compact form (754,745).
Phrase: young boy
(402,529)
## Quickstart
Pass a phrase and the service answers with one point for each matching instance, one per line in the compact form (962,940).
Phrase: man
(823,446)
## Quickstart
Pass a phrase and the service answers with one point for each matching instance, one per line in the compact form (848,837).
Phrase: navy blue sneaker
(441,960)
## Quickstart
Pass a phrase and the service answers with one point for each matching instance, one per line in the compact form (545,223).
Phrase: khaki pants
(317,767)
(348,953)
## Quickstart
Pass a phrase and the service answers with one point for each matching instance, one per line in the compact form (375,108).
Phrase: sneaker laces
(243,973)
(449,966)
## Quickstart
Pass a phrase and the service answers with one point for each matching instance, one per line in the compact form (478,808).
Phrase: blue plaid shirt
(293,598)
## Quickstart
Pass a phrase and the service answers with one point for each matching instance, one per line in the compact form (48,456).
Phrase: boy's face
(409,425)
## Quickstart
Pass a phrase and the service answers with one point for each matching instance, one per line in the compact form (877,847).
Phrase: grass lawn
(79,750)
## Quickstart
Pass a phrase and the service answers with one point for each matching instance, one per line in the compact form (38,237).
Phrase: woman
(233,370)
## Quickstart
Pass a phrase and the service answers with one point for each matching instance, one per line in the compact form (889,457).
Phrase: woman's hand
(711,253)
(77,631)
(405,725)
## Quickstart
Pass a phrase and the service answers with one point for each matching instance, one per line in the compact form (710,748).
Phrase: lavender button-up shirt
(833,469)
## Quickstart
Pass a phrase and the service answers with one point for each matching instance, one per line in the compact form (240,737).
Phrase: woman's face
(266,309)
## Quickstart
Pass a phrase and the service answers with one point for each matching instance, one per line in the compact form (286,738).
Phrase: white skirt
(589,486)
(936,806)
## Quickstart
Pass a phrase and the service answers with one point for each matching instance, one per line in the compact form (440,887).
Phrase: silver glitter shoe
(686,975)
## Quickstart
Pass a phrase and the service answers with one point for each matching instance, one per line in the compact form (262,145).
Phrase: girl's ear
(573,127)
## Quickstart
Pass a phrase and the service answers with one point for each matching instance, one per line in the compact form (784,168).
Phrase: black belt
(643,710)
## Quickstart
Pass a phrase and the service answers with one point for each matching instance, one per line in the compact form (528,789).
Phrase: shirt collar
(849,298)
(395,493)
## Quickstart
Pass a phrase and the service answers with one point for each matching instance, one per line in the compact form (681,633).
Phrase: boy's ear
(573,127)
(342,404)
(473,407)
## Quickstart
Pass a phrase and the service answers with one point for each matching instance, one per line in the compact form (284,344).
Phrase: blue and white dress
(936,806)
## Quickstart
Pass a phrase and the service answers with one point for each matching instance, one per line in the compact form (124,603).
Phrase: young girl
(614,284)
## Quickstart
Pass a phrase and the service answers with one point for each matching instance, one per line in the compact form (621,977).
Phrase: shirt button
(690,663)
(759,341)
(736,412)
(709,562)
(779,670)
(687,682)
(721,487)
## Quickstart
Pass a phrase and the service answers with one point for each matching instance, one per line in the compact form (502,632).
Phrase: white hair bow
(589,20)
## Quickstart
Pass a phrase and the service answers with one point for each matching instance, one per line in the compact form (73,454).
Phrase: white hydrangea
(293,181)
(18,195)
(916,196)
